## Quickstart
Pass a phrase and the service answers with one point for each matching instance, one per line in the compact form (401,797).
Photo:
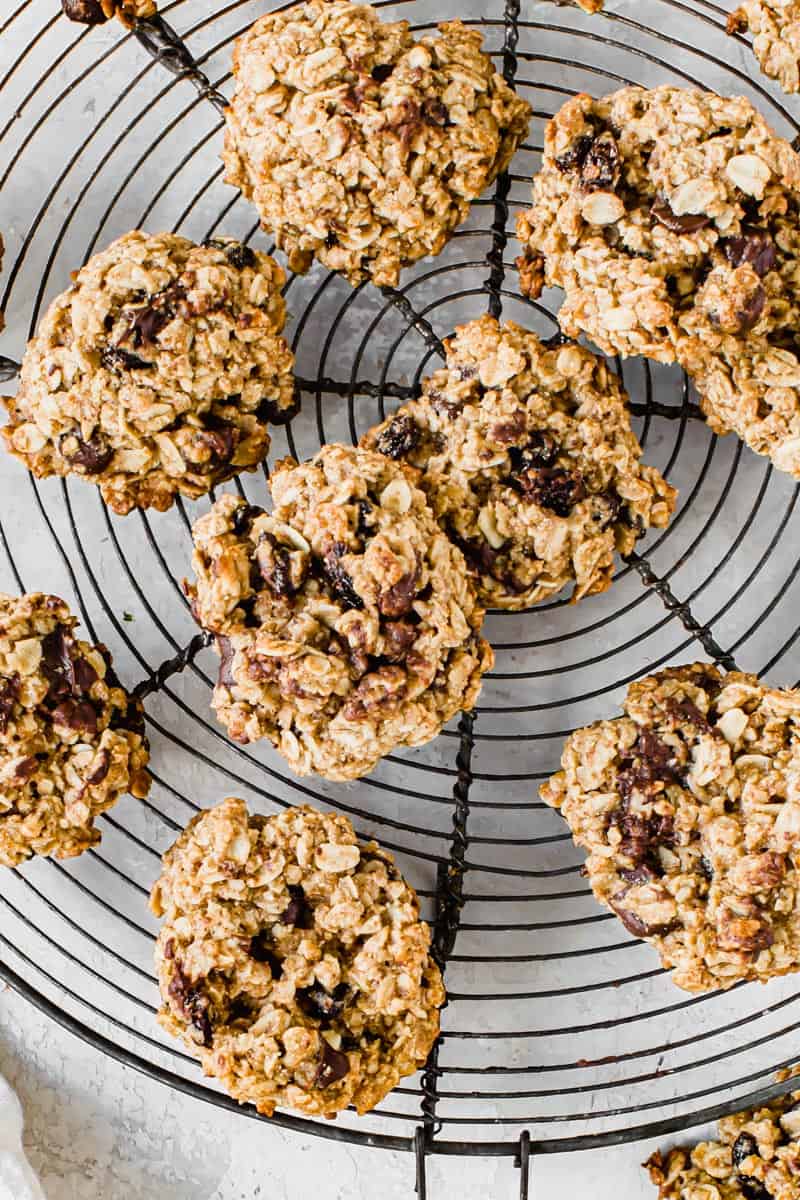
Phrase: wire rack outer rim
(166,48)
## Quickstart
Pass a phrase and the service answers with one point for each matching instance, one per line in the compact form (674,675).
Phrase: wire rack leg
(8,369)
(167,48)
(523,1161)
(173,666)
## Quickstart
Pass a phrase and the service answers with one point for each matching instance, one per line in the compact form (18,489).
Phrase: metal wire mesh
(560,1032)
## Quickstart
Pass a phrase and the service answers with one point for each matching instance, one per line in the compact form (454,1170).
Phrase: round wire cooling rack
(560,1032)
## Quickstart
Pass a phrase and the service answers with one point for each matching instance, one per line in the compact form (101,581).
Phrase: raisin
(366,518)
(114,358)
(541,451)
(320,1004)
(600,168)
(92,456)
(269,411)
(275,565)
(237,254)
(744,1147)
(381,72)
(261,951)
(220,440)
(338,580)
(398,638)
(753,1189)
(706,869)
(25,768)
(753,246)
(191,1003)
(333,1066)
(683,223)
(434,112)
(554,488)
(643,873)
(399,437)
(9,694)
(244,516)
(573,157)
(297,912)
(87,12)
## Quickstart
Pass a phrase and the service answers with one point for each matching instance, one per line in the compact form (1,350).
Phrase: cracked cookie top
(756,1157)
(527,456)
(158,372)
(360,145)
(72,740)
(670,217)
(346,622)
(690,811)
(292,960)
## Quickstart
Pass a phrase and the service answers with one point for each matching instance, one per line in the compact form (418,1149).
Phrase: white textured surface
(99,1131)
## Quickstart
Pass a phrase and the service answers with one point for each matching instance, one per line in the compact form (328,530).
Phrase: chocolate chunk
(86,12)
(641,874)
(237,254)
(226,656)
(753,246)
(649,761)
(398,600)
(574,156)
(510,431)
(101,770)
(114,358)
(381,72)
(262,951)
(748,315)
(398,638)
(320,1004)
(744,1147)
(685,223)
(541,451)
(78,715)
(9,695)
(600,168)
(632,921)
(297,912)
(686,710)
(399,437)
(191,1003)
(338,580)
(333,1066)
(25,768)
(434,112)
(58,667)
(146,321)
(609,507)
(275,565)
(92,456)
(554,488)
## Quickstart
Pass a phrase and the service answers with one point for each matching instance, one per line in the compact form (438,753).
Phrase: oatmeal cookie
(757,1157)
(292,961)
(690,810)
(775,26)
(670,218)
(360,145)
(158,372)
(346,623)
(527,456)
(96,12)
(71,739)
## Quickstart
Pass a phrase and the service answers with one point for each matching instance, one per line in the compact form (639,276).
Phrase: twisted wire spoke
(451,892)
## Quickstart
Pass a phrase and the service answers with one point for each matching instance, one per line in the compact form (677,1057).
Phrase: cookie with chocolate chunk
(527,456)
(72,740)
(359,144)
(346,621)
(756,1157)
(689,811)
(292,961)
(158,373)
(670,218)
